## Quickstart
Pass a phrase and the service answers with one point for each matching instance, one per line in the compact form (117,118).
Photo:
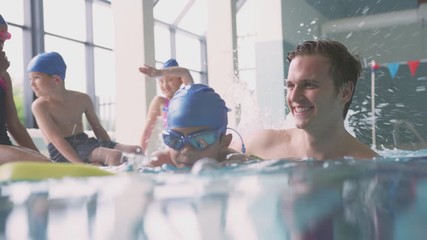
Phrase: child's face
(213,145)
(169,85)
(41,83)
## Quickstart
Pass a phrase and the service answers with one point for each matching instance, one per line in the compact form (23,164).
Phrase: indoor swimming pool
(105,42)
(276,199)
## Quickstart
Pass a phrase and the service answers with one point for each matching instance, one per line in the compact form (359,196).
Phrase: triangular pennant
(374,65)
(413,66)
(393,67)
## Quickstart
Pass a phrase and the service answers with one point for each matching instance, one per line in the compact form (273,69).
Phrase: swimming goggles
(198,140)
(5,35)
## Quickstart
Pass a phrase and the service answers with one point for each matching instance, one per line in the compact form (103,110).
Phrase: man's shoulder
(265,132)
(274,134)
(354,148)
(266,143)
(362,151)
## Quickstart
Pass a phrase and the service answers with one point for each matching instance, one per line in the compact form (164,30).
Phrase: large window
(74,56)
(179,33)
(81,31)
(65,18)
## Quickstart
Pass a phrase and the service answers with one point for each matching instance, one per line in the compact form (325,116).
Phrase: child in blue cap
(25,150)
(59,114)
(170,79)
(197,124)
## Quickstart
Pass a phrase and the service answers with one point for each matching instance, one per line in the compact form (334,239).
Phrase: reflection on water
(277,199)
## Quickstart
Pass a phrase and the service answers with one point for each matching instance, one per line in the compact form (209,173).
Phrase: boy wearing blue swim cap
(59,114)
(10,124)
(197,124)
(170,78)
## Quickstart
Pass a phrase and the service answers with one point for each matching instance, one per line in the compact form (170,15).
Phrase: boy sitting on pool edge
(197,124)
(59,113)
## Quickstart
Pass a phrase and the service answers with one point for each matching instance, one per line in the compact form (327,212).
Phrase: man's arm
(358,150)
(51,131)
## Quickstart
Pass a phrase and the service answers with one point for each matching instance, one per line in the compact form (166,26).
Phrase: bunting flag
(413,66)
(374,65)
(393,67)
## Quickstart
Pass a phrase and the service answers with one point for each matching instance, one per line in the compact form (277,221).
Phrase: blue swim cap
(170,63)
(2,21)
(197,105)
(50,63)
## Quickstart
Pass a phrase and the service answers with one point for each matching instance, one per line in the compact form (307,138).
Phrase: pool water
(276,199)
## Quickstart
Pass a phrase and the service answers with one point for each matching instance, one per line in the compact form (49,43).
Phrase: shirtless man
(320,85)
(59,114)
